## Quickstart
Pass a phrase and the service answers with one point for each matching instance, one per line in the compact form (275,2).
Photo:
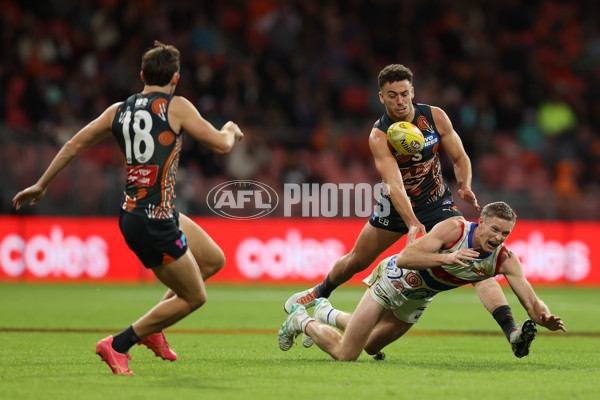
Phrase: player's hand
(413,232)
(35,193)
(458,257)
(237,132)
(468,196)
(552,322)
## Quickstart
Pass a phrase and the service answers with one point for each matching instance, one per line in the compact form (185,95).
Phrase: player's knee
(217,263)
(197,300)
(344,352)
(372,350)
(347,356)
(210,267)
(354,264)
(197,303)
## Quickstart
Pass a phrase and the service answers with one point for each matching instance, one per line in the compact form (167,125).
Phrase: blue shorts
(154,241)
(428,214)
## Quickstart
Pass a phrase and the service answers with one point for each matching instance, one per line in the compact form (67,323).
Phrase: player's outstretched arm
(510,266)
(390,173)
(92,133)
(183,115)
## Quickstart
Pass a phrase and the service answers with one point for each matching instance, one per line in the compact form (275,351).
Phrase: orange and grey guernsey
(421,172)
(151,149)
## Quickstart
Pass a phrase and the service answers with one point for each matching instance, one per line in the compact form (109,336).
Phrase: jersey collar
(481,256)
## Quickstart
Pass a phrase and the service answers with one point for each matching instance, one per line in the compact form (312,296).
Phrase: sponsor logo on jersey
(143,175)
(481,271)
(431,140)
(418,294)
(393,272)
(159,107)
(424,125)
(380,292)
(450,209)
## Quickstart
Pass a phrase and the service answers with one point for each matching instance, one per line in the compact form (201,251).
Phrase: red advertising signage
(267,250)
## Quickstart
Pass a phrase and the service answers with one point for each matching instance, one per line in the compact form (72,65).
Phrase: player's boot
(380,356)
(292,326)
(307,341)
(306,297)
(115,360)
(159,345)
(521,338)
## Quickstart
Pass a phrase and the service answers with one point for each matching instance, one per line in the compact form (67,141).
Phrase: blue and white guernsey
(393,287)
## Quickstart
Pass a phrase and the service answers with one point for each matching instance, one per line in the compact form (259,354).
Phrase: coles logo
(54,255)
(292,257)
(550,260)
(242,199)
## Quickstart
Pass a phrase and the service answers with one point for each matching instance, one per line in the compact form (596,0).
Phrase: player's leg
(206,251)
(370,244)
(210,259)
(388,330)
(349,346)
(325,313)
(183,277)
(493,299)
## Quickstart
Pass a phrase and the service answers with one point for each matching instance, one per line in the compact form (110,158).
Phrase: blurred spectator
(520,80)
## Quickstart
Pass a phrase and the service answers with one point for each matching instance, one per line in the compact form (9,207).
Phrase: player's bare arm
(183,115)
(511,267)
(92,133)
(423,252)
(390,173)
(453,146)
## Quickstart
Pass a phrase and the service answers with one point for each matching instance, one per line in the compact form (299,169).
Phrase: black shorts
(154,241)
(428,214)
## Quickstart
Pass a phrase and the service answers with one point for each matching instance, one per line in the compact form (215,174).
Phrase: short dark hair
(160,63)
(498,209)
(394,73)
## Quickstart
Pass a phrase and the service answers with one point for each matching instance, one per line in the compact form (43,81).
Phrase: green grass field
(228,349)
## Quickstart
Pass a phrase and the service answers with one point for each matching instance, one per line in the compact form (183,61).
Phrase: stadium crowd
(519,80)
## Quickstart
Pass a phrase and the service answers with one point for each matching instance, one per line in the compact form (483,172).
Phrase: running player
(149,128)
(453,254)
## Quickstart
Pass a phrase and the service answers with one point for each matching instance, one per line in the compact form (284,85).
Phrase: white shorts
(390,285)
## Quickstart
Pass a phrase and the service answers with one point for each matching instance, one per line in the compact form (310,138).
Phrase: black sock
(504,318)
(124,340)
(325,288)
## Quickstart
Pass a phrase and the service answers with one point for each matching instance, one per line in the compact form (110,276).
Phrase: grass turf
(228,349)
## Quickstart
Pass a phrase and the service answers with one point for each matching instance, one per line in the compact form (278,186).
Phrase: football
(406,138)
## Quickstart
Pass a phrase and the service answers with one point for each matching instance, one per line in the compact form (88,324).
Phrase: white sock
(332,317)
(305,322)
